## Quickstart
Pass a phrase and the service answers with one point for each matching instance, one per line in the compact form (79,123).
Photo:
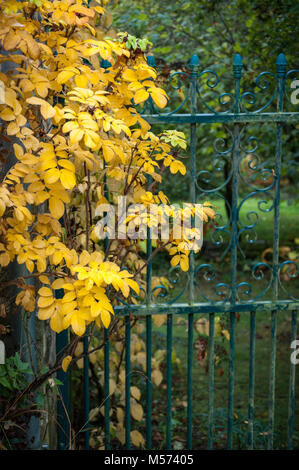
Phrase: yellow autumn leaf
(159,320)
(47,111)
(45,292)
(66,75)
(68,179)
(46,313)
(56,207)
(136,411)
(184,263)
(140,96)
(44,279)
(58,284)
(137,438)
(51,176)
(78,324)
(135,392)
(66,362)
(175,260)
(130,75)
(56,322)
(157,377)
(45,301)
(106,318)
(158,97)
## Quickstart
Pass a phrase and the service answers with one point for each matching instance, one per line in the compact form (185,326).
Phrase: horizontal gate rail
(289,118)
(179,309)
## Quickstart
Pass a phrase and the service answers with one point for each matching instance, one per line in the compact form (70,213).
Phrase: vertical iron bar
(272,379)
(251,381)
(63,403)
(128,383)
(86,393)
(149,339)
(292,386)
(151,62)
(194,67)
(231,381)
(189,381)
(106,337)
(211,378)
(237,70)
(169,381)
(106,388)
(148,382)
(280,69)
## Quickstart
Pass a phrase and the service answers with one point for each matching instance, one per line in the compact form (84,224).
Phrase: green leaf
(57,382)
(4,381)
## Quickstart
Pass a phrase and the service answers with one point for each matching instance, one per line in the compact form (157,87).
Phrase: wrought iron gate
(237,111)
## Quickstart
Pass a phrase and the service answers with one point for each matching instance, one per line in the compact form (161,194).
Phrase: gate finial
(194,63)
(237,65)
(151,61)
(281,64)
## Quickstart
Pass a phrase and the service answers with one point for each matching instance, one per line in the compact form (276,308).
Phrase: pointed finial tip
(238,59)
(151,60)
(194,61)
(237,66)
(281,59)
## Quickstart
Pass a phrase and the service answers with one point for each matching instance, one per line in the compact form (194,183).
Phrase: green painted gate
(267,102)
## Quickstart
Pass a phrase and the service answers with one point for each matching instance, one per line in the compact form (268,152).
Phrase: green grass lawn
(251,248)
